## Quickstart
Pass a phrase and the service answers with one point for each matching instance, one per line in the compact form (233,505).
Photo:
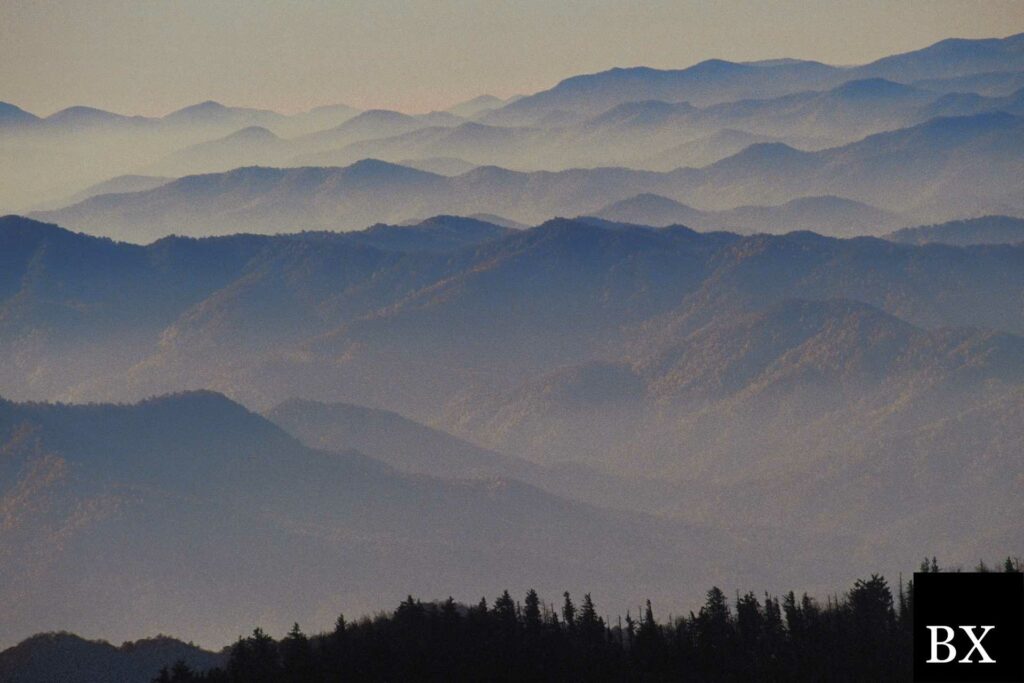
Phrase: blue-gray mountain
(827,215)
(640,118)
(67,658)
(941,169)
(582,356)
(455,403)
(238,522)
(983,230)
(648,134)
(715,81)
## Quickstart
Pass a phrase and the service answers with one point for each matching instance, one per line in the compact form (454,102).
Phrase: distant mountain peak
(567,228)
(489,172)
(207,105)
(476,105)
(649,197)
(199,111)
(648,200)
(381,115)
(194,397)
(83,114)
(213,112)
(994,120)
(375,166)
(15,226)
(10,113)
(873,87)
(255,133)
(718,65)
(981,230)
(762,152)
(829,200)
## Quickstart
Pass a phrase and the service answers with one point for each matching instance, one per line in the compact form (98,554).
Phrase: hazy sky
(153,56)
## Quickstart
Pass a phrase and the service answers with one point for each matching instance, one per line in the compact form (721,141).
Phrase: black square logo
(968,627)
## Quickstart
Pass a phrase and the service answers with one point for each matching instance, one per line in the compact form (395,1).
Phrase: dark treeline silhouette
(864,635)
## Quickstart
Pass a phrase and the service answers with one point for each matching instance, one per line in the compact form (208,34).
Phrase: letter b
(949,633)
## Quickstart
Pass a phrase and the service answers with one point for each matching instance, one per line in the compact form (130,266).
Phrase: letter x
(969,630)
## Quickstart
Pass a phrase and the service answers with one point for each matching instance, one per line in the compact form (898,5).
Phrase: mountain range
(445,277)
(827,215)
(983,230)
(939,169)
(224,510)
(753,324)
(715,81)
(49,158)
(68,658)
(649,134)
(578,356)
(640,118)
(211,115)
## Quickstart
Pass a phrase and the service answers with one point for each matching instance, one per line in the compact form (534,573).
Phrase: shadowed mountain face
(14,117)
(739,365)
(990,84)
(984,230)
(104,500)
(68,658)
(437,234)
(828,417)
(713,377)
(825,215)
(392,438)
(451,303)
(415,448)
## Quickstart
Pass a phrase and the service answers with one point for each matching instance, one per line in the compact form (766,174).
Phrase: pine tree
(531,612)
(591,625)
(296,656)
(505,611)
(568,611)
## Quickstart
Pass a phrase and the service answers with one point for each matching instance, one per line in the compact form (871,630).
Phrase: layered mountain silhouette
(53,157)
(638,117)
(248,146)
(577,356)
(263,367)
(479,105)
(69,658)
(705,377)
(105,499)
(940,168)
(715,81)
(452,286)
(12,116)
(416,448)
(375,123)
(826,215)
(118,185)
(983,230)
(207,115)
(660,135)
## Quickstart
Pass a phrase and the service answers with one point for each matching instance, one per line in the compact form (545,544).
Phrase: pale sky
(153,56)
